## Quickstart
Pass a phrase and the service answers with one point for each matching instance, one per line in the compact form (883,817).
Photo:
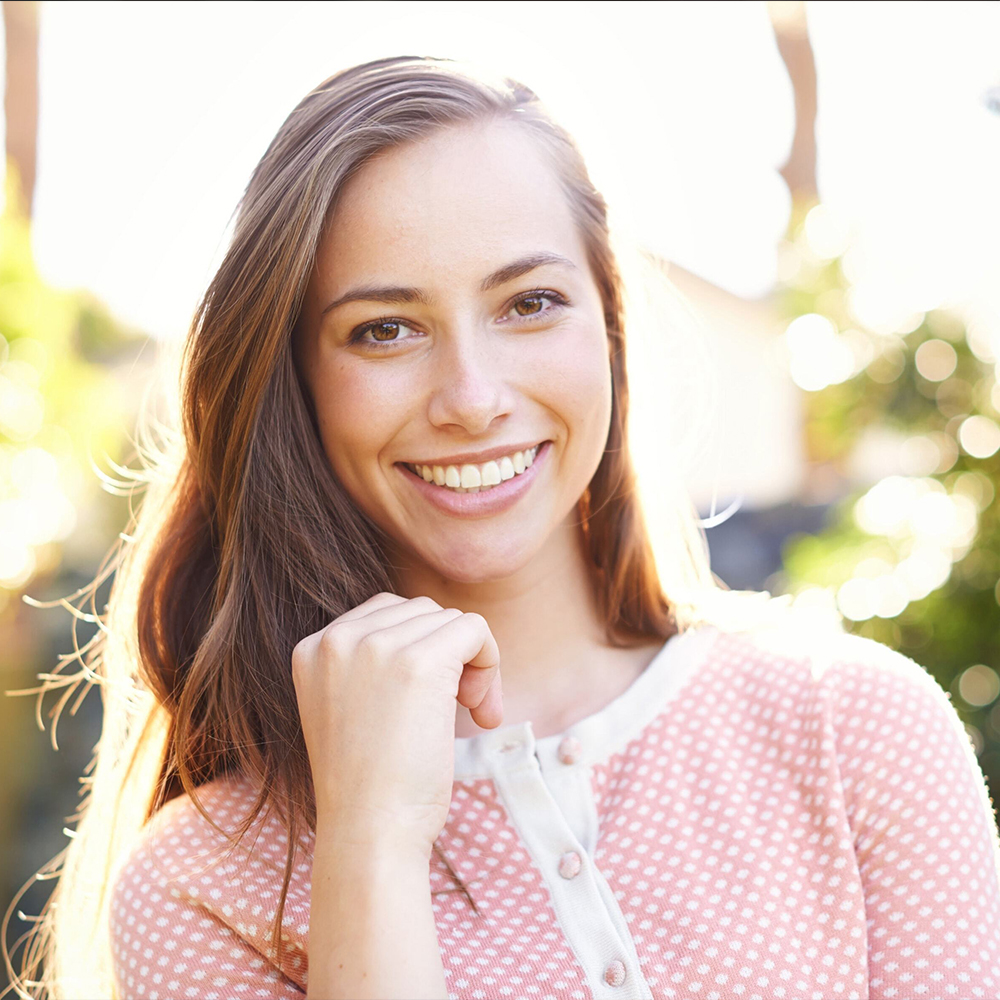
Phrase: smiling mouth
(476,478)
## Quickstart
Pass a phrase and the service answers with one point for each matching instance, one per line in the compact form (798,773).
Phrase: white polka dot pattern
(787,826)
(790,836)
(189,918)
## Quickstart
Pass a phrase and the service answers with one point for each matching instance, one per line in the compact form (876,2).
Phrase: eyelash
(539,293)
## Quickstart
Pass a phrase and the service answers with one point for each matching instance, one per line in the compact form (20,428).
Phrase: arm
(371,926)
(925,835)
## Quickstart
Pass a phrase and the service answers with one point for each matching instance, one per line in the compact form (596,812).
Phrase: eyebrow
(396,293)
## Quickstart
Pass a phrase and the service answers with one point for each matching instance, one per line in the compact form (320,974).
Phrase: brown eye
(534,303)
(389,330)
(385,332)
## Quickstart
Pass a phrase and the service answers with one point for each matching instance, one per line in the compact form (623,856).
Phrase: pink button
(614,974)
(570,864)
(569,750)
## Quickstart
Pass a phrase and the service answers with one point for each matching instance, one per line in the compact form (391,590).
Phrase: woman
(422,719)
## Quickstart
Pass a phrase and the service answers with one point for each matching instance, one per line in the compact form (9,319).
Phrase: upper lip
(480,457)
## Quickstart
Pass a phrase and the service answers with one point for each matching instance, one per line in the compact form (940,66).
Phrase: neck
(555,661)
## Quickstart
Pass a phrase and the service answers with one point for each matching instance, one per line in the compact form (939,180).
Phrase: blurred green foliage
(63,410)
(68,394)
(908,428)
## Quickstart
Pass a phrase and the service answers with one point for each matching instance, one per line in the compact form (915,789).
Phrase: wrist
(366,846)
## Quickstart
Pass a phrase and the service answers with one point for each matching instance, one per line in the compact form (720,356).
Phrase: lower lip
(481,504)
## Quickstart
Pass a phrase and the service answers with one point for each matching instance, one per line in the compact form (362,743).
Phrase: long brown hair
(245,541)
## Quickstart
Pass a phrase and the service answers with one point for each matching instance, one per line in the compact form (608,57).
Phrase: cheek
(576,379)
(355,409)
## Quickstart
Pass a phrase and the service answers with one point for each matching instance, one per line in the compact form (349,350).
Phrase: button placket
(568,777)
(580,896)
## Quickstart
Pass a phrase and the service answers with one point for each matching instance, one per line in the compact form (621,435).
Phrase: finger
(471,641)
(489,712)
(475,686)
(389,615)
(410,629)
(374,603)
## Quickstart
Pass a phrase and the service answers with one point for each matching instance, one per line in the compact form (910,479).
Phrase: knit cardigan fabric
(758,815)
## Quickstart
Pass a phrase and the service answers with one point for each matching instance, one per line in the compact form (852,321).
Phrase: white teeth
(491,474)
(473,478)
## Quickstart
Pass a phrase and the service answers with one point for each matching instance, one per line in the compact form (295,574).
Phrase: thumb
(489,712)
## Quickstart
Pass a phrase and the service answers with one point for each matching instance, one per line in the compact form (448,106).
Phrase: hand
(377,691)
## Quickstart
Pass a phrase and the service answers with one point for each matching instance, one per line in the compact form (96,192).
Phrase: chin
(470,564)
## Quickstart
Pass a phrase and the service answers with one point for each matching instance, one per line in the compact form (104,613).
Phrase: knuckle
(371,643)
(408,662)
(301,655)
(305,659)
(331,640)
(426,602)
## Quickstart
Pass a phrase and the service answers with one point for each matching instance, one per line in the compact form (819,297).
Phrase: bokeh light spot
(979,685)
(979,436)
(936,360)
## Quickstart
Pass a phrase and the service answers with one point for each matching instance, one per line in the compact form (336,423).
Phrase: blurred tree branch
(20,21)
(792,35)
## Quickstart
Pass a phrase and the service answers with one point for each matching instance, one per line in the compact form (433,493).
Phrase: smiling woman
(397,704)
(482,360)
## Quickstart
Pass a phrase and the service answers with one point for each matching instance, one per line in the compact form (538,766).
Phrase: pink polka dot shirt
(753,817)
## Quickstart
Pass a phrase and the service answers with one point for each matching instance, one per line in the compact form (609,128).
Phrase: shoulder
(830,656)
(181,855)
(844,674)
(179,836)
(192,905)
(868,683)
(884,716)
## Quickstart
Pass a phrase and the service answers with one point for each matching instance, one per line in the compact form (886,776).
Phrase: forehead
(463,196)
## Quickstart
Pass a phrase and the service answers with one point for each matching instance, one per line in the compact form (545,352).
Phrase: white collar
(600,734)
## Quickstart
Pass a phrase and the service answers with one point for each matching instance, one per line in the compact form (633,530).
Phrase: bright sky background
(154,114)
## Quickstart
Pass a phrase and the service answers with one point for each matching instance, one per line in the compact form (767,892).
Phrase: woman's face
(471,328)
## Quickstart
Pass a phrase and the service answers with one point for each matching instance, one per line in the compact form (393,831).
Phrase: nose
(470,384)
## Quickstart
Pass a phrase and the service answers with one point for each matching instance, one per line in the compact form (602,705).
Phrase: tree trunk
(20,19)
(792,34)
